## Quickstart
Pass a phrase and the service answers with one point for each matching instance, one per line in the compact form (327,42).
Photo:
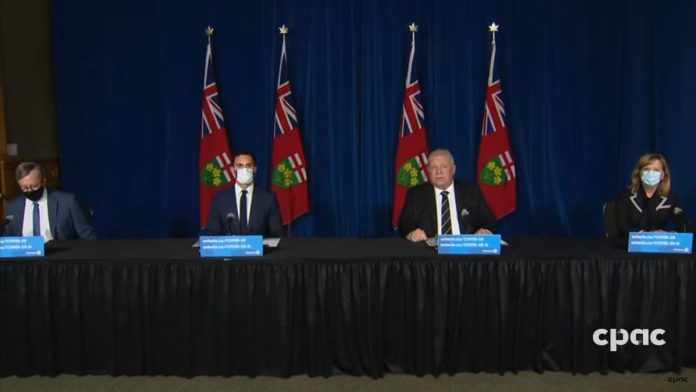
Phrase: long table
(322,306)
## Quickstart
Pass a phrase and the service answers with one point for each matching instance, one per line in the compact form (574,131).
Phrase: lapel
(233,209)
(253,211)
(18,220)
(663,204)
(431,213)
(637,202)
(463,215)
(52,213)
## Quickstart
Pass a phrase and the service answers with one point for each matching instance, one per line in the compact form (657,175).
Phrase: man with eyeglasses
(53,214)
(245,209)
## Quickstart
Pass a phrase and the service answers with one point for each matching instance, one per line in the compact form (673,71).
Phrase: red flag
(289,177)
(496,166)
(412,152)
(215,161)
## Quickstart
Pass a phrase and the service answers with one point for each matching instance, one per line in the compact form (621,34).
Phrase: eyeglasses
(31,188)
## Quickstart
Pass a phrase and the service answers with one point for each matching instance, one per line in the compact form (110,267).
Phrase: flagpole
(493,28)
(284,31)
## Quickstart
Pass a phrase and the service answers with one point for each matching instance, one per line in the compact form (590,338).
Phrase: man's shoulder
(16,202)
(225,193)
(422,188)
(60,194)
(263,194)
(463,186)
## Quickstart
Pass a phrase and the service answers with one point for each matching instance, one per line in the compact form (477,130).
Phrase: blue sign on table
(231,246)
(468,244)
(21,246)
(660,242)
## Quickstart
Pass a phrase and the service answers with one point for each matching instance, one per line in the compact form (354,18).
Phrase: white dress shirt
(453,209)
(28,224)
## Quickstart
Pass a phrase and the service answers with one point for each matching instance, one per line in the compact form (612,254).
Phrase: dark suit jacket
(420,212)
(264,218)
(65,217)
(634,212)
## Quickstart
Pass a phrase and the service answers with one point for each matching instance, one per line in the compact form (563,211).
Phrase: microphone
(8,219)
(230,220)
(686,223)
(464,218)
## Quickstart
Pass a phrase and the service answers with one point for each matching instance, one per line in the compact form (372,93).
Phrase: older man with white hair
(444,205)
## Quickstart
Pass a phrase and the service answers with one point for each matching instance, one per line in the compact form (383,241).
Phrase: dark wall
(25,34)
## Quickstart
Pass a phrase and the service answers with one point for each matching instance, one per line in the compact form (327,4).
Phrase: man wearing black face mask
(43,212)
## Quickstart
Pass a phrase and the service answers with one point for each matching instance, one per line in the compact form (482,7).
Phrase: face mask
(651,177)
(34,195)
(245,176)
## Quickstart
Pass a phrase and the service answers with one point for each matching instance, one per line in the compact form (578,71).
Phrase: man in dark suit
(443,205)
(41,211)
(245,209)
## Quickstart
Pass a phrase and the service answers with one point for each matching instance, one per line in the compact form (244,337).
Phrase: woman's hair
(645,160)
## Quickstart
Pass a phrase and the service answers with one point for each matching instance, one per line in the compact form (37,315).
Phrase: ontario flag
(215,159)
(289,177)
(496,166)
(412,151)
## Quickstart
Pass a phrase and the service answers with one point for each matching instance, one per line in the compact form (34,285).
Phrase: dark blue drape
(588,87)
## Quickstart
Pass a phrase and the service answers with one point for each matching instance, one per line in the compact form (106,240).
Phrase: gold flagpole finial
(209,32)
(283,29)
(493,28)
(413,28)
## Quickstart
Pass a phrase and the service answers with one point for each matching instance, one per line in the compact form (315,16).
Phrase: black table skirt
(356,306)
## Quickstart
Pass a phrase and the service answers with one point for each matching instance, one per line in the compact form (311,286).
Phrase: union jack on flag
(412,150)
(289,176)
(215,157)
(413,114)
(212,119)
(285,114)
(495,108)
(496,166)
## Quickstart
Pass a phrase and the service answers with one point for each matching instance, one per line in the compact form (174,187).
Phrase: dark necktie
(243,226)
(36,220)
(446,226)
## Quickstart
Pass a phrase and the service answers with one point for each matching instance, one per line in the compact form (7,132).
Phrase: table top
(354,249)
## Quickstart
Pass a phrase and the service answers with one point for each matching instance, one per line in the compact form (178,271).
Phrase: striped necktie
(446,225)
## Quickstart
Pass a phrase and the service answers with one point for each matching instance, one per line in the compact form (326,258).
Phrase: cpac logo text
(619,337)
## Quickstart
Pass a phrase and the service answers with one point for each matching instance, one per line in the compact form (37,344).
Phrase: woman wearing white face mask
(649,203)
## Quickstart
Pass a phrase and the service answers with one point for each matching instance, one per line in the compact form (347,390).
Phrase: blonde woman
(649,203)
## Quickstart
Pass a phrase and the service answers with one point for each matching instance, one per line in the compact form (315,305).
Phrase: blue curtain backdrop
(588,86)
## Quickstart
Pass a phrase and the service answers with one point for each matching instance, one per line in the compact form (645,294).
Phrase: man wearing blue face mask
(649,203)
(245,209)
